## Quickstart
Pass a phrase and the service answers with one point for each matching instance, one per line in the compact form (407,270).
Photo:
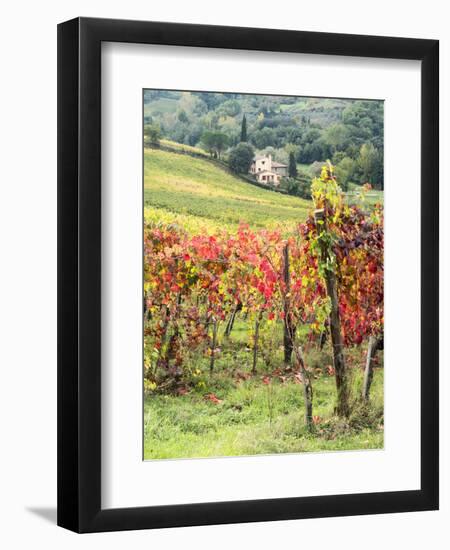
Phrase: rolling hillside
(198,194)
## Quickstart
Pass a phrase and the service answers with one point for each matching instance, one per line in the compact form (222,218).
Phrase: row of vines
(325,276)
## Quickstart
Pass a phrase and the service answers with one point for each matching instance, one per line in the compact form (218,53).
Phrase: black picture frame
(79,274)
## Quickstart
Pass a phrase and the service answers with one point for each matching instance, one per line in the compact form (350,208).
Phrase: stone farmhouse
(267,171)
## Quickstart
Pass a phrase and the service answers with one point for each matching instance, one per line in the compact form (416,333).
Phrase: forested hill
(314,129)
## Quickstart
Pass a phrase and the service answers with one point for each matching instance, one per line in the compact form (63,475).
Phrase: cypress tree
(292,166)
(244,129)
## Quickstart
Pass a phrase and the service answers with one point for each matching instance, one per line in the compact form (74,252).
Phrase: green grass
(320,110)
(374,196)
(162,105)
(198,192)
(252,417)
(244,423)
(305,169)
(183,148)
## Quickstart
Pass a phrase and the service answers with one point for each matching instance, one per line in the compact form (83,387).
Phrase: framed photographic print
(248,275)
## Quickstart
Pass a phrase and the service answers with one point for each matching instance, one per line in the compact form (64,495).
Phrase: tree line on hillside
(296,131)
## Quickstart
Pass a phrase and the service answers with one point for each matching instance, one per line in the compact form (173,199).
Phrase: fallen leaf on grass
(213,398)
(242,376)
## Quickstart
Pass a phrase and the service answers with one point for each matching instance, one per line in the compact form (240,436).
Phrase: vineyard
(263,315)
(198,195)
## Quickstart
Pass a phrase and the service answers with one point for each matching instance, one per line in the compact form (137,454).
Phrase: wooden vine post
(374,345)
(213,345)
(255,341)
(307,387)
(163,360)
(232,318)
(290,345)
(341,375)
(289,329)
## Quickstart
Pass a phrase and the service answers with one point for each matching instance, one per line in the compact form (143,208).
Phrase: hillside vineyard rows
(198,284)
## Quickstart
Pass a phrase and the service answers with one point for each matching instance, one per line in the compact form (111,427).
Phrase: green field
(183,148)
(160,106)
(374,196)
(198,192)
(320,110)
(189,426)
(254,418)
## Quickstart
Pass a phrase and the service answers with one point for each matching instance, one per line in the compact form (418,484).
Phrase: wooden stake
(288,328)
(307,387)
(255,342)
(372,348)
(231,320)
(213,346)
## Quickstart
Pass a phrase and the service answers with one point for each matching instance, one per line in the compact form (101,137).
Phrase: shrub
(240,158)
(152,134)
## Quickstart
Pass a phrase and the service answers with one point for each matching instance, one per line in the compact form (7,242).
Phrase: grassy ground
(162,105)
(182,148)
(231,413)
(305,168)
(374,196)
(202,193)
(254,418)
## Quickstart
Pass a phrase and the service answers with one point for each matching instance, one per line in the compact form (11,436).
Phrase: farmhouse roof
(266,157)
